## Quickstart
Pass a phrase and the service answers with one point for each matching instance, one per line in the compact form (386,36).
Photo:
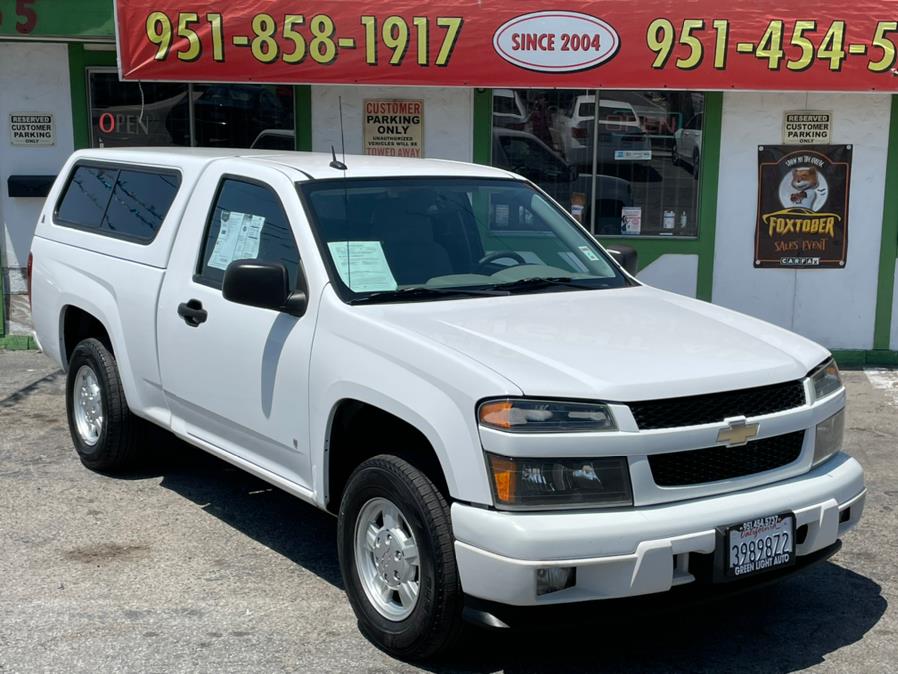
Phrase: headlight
(828,438)
(826,379)
(526,482)
(518,415)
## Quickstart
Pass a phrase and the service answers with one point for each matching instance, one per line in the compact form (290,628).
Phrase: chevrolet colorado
(498,414)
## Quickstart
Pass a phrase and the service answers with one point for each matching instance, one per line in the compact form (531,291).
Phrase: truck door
(236,376)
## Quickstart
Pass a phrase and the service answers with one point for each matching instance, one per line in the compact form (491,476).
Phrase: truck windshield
(419,239)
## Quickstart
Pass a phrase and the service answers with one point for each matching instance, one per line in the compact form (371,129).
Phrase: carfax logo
(802,206)
(556,41)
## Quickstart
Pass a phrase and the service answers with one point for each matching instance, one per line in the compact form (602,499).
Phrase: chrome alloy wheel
(386,558)
(87,401)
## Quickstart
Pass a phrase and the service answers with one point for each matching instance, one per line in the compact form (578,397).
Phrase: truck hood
(620,345)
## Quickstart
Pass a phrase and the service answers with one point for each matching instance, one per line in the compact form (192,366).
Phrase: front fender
(432,387)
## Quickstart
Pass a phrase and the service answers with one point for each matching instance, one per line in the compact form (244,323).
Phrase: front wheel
(397,557)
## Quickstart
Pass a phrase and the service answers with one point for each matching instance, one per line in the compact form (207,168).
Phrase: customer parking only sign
(807,127)
(31,128)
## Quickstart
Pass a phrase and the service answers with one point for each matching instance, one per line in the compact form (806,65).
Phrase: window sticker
(362,265)
(238,238)
(502,215)
(588,254)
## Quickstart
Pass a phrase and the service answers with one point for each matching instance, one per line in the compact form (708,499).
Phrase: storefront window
(630,170)
(200,115)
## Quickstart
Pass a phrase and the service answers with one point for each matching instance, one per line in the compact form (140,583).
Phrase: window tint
(128,204)
(86,196)
(140,202)
(247,222)
(386,234)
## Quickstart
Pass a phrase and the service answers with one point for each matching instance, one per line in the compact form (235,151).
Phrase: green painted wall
(79,60)
(302,115)
(888,249)
(483,126)
(57,18)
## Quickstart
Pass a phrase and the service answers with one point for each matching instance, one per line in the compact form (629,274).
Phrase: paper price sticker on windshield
(362,265)
(238,238)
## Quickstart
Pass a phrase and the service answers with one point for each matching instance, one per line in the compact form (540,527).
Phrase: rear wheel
(397,557)
(101,425)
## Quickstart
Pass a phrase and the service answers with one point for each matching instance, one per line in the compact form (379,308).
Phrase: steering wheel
(500,255)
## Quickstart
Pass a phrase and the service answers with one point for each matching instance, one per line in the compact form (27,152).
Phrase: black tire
(674,158)
(436,620)
(696,158)
(115,449)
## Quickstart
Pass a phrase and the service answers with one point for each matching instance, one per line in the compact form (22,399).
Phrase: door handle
(192,312)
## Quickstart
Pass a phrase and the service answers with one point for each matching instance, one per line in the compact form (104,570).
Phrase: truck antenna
(335,164)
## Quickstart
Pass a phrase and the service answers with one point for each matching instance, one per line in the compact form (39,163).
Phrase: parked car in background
(619,131)
(527,155)
(687,147)
(509,110)
(275,139)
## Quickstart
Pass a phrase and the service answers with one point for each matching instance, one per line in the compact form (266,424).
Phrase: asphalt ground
(193,566)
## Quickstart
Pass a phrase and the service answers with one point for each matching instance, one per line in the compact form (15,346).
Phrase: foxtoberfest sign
(802,206)
(702,44)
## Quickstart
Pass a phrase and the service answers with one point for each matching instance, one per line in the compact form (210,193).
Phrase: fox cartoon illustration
(809,193)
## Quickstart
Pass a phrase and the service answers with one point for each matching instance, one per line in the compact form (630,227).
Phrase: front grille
(715,407)
(697,466)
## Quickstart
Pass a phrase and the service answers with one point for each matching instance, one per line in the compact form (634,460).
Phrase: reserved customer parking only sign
(31,128)
(807,127)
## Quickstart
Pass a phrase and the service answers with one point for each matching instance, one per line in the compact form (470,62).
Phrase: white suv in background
(621,136)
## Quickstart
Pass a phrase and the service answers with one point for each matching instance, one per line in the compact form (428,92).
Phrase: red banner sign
(703,44)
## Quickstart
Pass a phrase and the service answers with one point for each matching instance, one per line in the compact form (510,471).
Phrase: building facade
(671,172)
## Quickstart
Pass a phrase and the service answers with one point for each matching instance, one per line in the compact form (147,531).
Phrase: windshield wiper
(424,293)
(539,283)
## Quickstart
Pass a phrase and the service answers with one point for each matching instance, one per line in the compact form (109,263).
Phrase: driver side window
(247,222)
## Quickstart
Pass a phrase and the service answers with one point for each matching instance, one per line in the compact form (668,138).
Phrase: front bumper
(638,551)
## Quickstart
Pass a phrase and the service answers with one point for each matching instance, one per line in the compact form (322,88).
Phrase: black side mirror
(262,284)
(626,257)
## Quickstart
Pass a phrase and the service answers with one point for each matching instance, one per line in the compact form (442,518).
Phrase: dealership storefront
(734,149)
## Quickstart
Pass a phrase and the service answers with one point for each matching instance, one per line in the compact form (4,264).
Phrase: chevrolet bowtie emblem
(739,432)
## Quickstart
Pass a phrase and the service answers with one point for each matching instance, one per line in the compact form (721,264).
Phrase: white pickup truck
(501,417)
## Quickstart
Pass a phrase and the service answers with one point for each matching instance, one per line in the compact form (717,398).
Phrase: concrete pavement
(193,566)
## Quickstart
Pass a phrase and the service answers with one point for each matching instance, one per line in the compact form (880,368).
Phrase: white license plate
(761,544)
